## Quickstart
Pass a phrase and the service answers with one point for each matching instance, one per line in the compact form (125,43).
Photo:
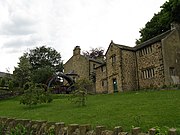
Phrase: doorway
(115,88)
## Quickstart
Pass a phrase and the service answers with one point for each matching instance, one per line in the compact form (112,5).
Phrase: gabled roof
(153,40)
(120,47)
(125,47)
(3,74)
(142,45)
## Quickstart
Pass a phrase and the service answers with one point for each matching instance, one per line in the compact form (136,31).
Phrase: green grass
(145,109)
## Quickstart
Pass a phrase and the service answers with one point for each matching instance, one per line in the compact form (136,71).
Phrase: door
(115,85)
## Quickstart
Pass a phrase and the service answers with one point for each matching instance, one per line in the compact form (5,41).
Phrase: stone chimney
(77,50)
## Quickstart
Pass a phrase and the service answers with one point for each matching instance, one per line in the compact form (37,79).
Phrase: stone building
(81,67)
(154,63)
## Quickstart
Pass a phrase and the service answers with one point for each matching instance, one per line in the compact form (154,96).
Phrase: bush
(11,85)
(79,96)
(35,94)
(3,82)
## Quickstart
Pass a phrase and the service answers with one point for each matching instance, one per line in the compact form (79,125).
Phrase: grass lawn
(145,109)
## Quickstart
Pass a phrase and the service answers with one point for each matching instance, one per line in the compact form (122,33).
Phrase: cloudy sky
(63,24)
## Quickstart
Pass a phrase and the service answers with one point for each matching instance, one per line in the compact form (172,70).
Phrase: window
(113,59)
(145,51)
(148,73)
(172,71)
(104,83)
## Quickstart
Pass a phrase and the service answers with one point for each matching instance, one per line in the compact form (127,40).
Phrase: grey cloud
(19,42)
(18,21)
(17,26)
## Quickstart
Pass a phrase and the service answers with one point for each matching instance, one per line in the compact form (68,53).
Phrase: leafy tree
(37,65)
(21,74)
(161,22)
(41,75)
(45,56)
(94,53)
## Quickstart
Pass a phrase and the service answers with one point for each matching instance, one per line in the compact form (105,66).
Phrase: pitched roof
(125,47)
(146,43)
(153,40)
(3,74)
(120,46)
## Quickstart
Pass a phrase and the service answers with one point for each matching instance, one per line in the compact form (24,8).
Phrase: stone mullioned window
(148,73)
(145,51)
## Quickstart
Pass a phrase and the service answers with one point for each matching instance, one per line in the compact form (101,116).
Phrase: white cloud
(63,24)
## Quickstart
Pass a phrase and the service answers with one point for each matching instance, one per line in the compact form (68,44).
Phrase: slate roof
(153,40)
(146,43)
(3,74)
(124,47)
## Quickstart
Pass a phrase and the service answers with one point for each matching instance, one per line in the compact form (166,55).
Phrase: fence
(29,127)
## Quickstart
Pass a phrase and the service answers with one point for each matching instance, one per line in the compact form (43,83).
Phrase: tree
(41,75)
(94,53)
(45,56)
(38,65)
(161,22)
(21,74)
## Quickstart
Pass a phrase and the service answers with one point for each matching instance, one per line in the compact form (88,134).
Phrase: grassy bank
(144,109)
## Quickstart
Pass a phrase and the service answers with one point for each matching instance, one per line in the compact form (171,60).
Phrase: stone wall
(28,127)
(113,63)
(101,79)
(129,70)
(150,66)
(79,64)
(171,57)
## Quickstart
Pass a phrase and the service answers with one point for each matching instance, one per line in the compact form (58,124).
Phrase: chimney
(77,50)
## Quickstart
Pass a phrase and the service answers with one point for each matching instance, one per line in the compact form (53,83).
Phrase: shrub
(79,96)
(3,82)
(10,85)
(35,94)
